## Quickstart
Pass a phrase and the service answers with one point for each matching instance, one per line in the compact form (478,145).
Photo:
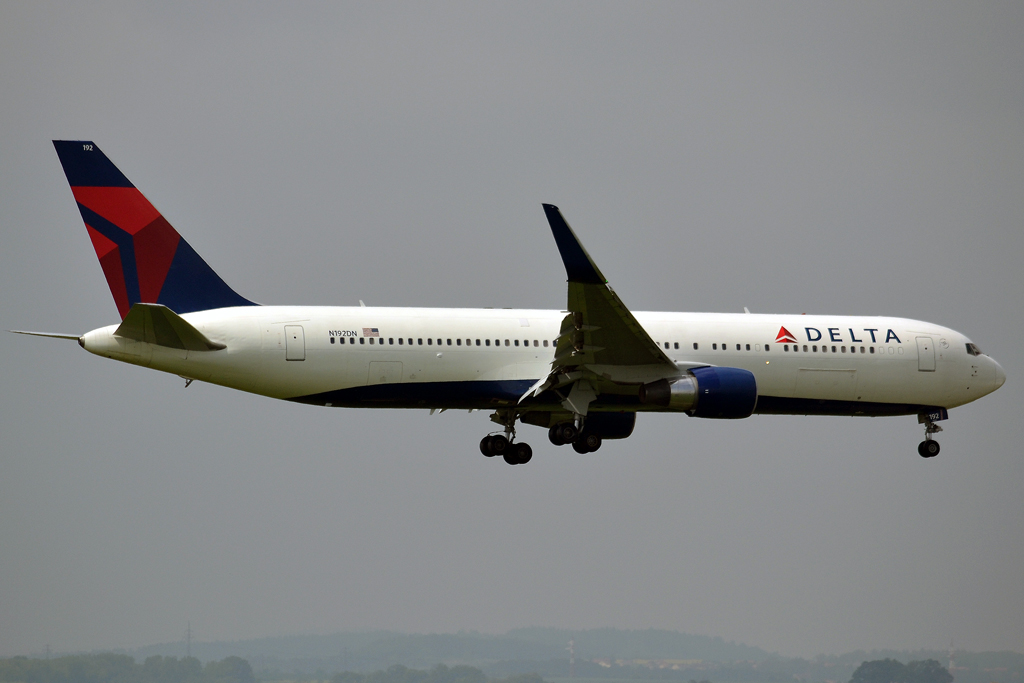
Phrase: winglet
(579,267)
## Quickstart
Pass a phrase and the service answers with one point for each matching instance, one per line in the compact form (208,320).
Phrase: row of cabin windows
(537,343)
(441,342)
(841,349)
(785,347)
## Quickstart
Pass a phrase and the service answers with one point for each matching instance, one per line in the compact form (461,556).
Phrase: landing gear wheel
(499,445)
(928,448)
(567,432)
(580,446)
(593,442)
(518,454)
(485,447)
(555,435)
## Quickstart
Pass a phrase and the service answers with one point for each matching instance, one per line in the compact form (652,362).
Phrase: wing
(601,346)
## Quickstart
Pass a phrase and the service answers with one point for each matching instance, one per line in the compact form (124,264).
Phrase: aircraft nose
(1000,374)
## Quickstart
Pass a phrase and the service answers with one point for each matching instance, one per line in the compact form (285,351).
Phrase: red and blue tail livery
(143,258)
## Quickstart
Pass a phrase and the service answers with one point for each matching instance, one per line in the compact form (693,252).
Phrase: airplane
(582,373)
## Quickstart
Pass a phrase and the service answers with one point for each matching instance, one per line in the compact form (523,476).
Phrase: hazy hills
(374,650)
(605,653)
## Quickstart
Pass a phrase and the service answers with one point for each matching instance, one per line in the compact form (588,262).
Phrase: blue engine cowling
(721,393)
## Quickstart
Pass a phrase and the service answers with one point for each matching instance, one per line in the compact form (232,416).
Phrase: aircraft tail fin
(144,259)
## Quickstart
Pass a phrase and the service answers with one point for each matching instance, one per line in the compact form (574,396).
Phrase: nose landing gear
(928,448)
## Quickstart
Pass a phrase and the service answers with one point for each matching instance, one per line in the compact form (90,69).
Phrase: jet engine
(722,393)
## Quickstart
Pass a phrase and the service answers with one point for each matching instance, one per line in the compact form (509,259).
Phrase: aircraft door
(294,343)
(925,354)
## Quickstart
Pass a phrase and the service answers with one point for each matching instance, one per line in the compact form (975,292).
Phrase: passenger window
(419,341)
(871,349)
(805,348)
(814,348)
(458,342)
(757,347)
(391,341)
(786,347)
(351,340)
(545,343)
(362,340)
(833,349)
(738,347)
(843,349)
(862,350)
(536,343)
(714,346)
(748,347)
(694,346)
(767,347)
(400,340)
(676,345)
(332,340)
(487,342)
(449,342)
(478,342)
(666,345)
(430,342)
(507,344)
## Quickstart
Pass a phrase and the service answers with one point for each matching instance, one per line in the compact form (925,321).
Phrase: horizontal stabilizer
(157,324)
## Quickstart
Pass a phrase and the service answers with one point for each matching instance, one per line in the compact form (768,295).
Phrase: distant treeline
(378,650)
(893,671)
(992,667)
(114,668)
(438,674)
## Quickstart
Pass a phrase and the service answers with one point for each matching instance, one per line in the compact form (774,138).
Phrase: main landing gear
(518,453)
(512,453)
(505,444)
(929,448)
(566,432)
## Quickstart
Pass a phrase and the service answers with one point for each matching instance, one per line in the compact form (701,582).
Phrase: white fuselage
(484,358)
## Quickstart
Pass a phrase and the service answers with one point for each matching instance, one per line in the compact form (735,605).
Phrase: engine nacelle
(723,393)
(679,394)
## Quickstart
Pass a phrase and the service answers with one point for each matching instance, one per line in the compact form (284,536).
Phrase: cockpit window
(973,349)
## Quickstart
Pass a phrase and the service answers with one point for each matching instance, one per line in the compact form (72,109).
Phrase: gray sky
(860,158)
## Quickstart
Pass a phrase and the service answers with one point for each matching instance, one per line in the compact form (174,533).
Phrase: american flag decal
(371,332)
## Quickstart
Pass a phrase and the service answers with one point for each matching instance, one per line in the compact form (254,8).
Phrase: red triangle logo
(785,336)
